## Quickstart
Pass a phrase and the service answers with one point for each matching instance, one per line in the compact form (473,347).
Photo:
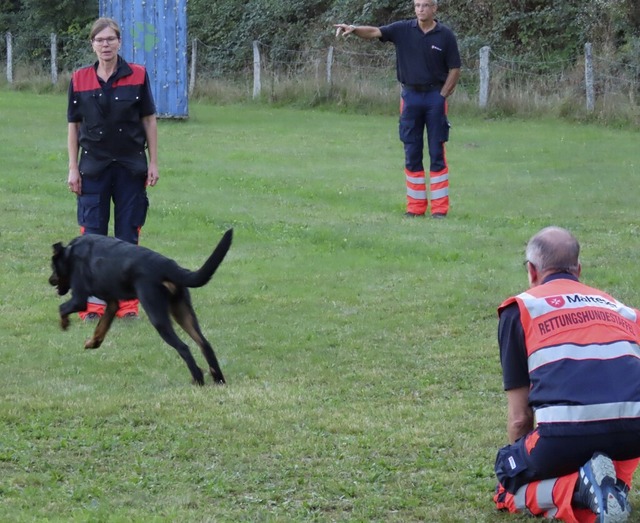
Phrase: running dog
(113,270)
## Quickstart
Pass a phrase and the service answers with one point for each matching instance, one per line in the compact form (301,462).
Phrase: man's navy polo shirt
(422,58)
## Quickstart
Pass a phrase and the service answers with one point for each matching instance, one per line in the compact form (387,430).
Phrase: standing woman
(112,120)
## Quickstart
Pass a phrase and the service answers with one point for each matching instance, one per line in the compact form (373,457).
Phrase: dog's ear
(58,248)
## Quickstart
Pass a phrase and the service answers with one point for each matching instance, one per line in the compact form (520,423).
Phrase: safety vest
(583,358)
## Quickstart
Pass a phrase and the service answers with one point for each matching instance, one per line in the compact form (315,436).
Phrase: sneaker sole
(596,471)
(616,513)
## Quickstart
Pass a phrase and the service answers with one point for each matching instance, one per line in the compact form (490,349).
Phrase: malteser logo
(555,301)
(590,300)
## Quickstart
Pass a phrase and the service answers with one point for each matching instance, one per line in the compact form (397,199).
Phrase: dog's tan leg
(103,326)
(185,316)
(64,322)
(155,300)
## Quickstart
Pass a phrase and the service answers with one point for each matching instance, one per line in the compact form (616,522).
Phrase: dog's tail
(203,275)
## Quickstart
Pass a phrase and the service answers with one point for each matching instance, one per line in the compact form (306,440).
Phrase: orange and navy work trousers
(538,475)
(130,205)
(420,111)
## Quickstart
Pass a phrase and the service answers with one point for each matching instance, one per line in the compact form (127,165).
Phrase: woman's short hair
(101,24)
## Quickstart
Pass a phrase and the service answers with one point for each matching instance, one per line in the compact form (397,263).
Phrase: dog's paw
(198,377)
(216,374)
(64,322)
(92,343)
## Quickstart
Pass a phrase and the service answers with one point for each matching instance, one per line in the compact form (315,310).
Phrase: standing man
(570,360)
(111,115)
(428,67)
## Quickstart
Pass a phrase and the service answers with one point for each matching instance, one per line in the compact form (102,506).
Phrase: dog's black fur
(113,270)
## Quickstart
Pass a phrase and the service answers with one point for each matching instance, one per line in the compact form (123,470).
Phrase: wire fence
(367,66)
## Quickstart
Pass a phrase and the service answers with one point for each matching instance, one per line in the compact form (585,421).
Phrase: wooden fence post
(329,64)
(9,58)
(588,77)
(54,59)
(194,56)
(484,76)
(257,86)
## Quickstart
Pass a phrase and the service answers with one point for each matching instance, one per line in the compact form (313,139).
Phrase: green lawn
(359,347)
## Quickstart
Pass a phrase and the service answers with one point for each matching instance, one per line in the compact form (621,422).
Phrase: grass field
(359,347)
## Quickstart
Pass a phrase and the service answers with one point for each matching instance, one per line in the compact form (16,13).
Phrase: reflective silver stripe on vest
(418,195)
(539,306)
(417,180)
(442,178)
(609,351)
(440,193)
(579,413)
(544,497)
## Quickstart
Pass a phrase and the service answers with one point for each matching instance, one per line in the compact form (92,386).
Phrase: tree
(47,16)
(9,10)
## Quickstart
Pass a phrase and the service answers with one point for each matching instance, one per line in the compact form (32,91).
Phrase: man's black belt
(423,88)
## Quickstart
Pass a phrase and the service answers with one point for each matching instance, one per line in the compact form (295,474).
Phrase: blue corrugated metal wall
(154,34)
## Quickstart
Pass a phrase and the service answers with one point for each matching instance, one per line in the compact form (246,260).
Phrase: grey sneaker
(599,490)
